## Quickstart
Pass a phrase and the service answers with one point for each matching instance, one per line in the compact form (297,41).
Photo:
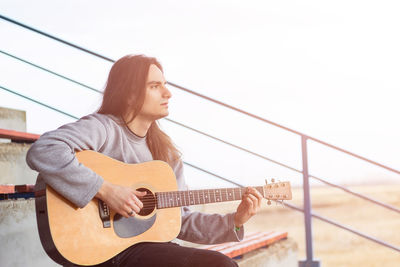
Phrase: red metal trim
(24,188)
(18,136)
(10,188)
(7,189)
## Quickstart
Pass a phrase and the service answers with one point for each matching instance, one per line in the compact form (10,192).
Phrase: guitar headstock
(277,191)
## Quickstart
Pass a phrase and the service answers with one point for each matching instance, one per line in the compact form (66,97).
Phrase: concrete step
(255,250)
(14,169)
(12,119)
(250,242)
(19,235)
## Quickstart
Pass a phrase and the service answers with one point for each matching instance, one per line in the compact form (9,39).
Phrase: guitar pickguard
(132,226)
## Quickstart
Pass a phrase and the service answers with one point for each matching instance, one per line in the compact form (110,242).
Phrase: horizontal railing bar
(51,72)
(233,145)
(387,206)
(346,228)
(213,174)
(355,155)
(38,102)
(212,100)
(55,38)
(234,108)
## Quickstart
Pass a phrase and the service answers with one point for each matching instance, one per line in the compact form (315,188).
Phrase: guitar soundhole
(149,202)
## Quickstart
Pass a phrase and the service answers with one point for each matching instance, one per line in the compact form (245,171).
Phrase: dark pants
(168,254)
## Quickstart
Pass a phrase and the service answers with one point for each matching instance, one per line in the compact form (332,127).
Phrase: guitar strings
(150,201)
(160,198)
(174,193)
(201,200)
(185,195)
(202,192)
(225,196)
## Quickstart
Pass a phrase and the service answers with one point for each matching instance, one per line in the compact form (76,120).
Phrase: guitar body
(76,235)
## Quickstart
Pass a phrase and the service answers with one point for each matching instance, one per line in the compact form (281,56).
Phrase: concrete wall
(279,254)
(13,168)
(20,243)
(12,119)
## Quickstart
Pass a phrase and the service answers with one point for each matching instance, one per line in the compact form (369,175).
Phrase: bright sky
(329,69)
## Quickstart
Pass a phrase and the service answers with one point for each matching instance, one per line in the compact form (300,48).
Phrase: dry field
(334,246)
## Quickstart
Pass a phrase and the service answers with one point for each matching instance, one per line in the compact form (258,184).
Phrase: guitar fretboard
(196,197)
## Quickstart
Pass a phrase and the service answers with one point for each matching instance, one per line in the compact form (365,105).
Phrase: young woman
(125,128)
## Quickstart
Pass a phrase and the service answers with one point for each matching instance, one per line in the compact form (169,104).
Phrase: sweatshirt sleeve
(205,228)
(53,156)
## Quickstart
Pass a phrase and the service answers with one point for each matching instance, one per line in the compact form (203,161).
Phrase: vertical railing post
(309,262)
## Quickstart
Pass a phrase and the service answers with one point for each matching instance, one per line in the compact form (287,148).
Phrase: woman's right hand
(121,199)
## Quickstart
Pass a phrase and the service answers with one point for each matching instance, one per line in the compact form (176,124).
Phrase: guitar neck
(196,197)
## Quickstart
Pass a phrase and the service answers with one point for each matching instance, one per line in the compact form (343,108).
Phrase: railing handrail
(51,72)
(210,99)
(347,228)
(55,38)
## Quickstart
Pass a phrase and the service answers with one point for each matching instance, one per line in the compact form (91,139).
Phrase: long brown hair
(126,82)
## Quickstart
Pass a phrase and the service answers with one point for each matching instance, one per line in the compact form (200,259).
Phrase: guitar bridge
(104,213)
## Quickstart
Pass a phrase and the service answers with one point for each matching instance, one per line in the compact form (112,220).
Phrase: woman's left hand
(251,203)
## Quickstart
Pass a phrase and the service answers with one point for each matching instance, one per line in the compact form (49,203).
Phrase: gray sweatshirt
(53,156)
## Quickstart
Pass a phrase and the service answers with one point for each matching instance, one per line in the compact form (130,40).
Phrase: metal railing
(304,139)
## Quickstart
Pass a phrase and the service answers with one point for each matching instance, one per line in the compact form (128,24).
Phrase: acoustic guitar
(94,234)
